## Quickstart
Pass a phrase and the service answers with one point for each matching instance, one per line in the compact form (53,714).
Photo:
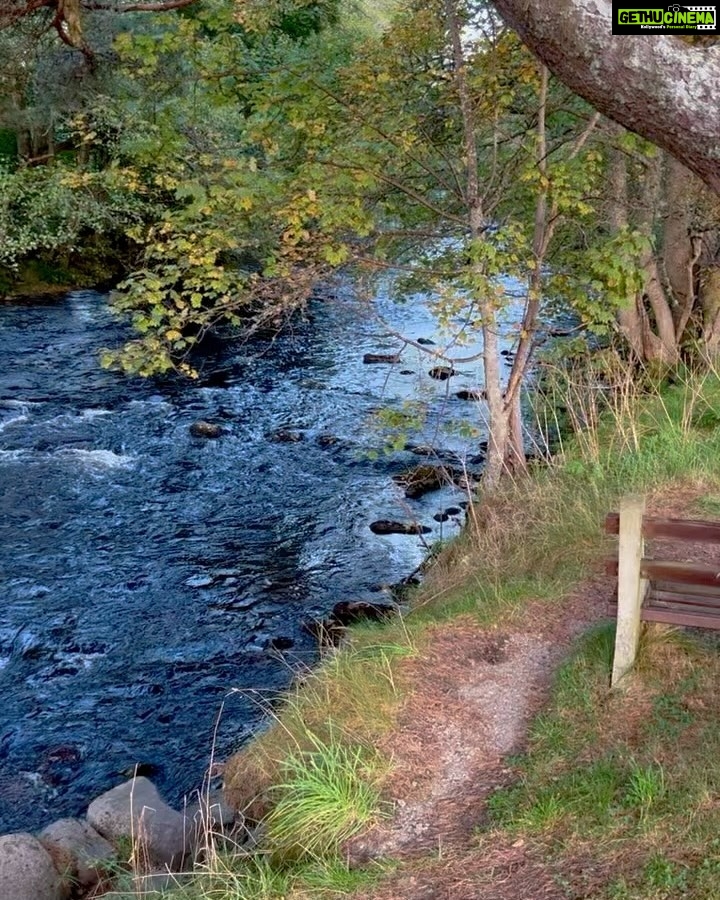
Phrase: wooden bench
(658,590)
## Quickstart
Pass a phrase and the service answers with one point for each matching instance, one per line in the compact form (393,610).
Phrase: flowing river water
(148,576)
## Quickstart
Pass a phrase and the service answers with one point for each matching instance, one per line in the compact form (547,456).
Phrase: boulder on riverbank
(78,850)
(349,612)
(136,809)
(330,631)
(27,871)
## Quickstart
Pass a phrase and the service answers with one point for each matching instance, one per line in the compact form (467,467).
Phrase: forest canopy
(217,161)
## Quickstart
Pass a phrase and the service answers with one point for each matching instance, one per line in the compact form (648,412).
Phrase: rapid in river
(148,575)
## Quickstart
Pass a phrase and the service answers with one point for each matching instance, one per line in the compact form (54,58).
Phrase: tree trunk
(498,422)
(657,86)
(659,342)
(629,318)
(710,303)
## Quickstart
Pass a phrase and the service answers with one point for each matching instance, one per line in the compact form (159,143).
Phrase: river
(148,575)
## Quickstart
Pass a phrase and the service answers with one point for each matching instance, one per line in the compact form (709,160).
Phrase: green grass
(325,796)
(236,877)
(534,537)
(631,778)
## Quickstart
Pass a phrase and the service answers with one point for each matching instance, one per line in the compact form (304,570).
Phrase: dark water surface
(146,573)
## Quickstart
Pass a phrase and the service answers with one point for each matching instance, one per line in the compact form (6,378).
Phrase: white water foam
(13,420)
(12,455)
(83,415)
(105,459)
(18,410)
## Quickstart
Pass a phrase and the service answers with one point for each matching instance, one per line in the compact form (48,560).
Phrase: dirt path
(472,697)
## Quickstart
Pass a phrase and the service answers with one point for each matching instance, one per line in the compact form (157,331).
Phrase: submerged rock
(426,341)
(420,480)
(286,436)
(280,642)
(390,358)
(442,373)
(203,429)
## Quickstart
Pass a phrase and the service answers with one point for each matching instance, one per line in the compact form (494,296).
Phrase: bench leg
(631,587)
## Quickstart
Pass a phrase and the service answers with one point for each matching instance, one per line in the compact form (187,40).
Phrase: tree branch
(659,87)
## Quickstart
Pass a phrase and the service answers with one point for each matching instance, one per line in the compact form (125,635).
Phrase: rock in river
(204,429)
(471,394)
(420,480)
(386,526)
(286,436)
(390,358)
(442,373)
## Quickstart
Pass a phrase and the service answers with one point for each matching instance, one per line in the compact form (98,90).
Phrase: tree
(467,164)
(66,17)
(660,87)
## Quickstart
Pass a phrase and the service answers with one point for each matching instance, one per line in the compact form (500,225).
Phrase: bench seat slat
(689,589)
(672,529)
(680,572)
(675,617)
(682,599)
(659,570)
(674,601)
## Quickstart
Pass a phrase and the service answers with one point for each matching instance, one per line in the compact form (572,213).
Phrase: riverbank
(428,713)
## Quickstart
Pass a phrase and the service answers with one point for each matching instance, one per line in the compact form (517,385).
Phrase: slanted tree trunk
(630,322)
(498,415)
(657,86)
(678,252)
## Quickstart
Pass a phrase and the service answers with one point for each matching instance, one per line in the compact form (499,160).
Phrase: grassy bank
(634,800)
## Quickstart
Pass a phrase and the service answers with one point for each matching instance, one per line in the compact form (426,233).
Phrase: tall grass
(325,796)
(538,533)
